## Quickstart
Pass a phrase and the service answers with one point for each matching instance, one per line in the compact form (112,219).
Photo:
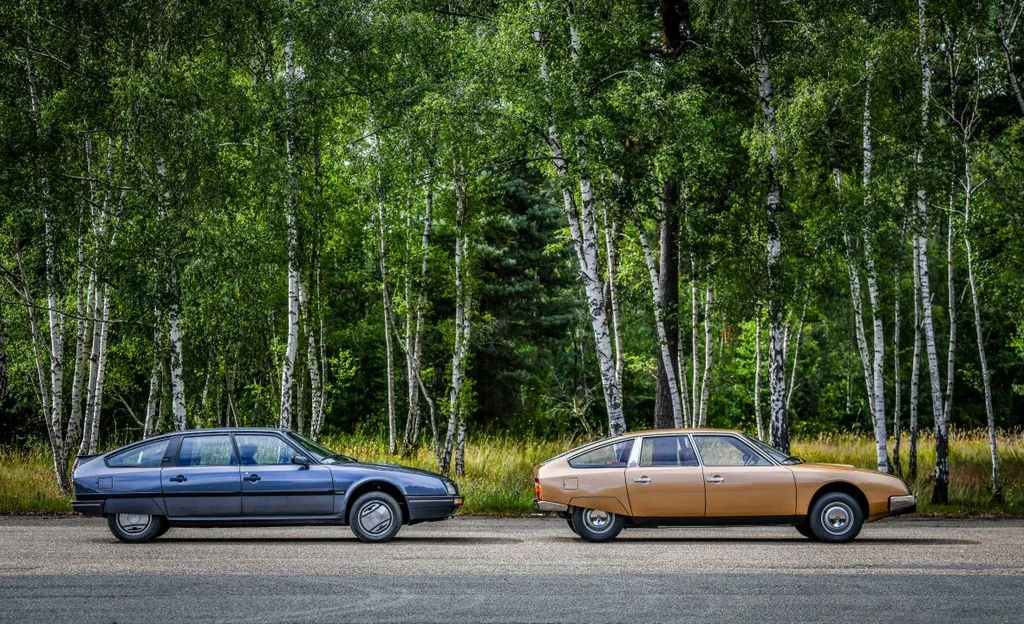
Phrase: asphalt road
(512,570)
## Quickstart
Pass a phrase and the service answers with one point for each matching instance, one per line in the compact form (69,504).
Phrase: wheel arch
(843,487)
(377,485)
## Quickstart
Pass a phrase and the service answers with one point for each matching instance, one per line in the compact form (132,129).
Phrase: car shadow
(425,539)
(781,540)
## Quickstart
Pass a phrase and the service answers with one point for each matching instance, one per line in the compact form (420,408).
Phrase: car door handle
(179,479)
(251,478)
(716,479)
(642,480)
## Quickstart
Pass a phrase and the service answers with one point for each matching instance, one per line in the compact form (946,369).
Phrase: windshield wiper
(793,459)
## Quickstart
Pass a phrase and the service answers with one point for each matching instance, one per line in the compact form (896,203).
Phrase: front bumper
(900,505)
(429,508)
(543,505)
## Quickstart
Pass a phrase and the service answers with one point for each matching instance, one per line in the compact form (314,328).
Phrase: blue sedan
(253,477)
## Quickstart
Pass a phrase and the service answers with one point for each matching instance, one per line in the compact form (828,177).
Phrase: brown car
(680,477)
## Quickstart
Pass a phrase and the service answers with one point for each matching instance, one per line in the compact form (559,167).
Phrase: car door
(205,481)
(272,485)
(740,482)
(668,481)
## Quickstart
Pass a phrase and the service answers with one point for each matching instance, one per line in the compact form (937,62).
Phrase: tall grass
(498,476)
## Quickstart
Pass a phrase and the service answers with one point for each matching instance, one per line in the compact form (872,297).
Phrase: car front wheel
(375,517)
(836,518)
(595,525)
(136,528)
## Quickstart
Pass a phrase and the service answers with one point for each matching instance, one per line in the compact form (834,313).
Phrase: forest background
(473,233)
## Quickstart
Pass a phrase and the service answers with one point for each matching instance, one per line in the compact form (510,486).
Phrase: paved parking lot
(508,570)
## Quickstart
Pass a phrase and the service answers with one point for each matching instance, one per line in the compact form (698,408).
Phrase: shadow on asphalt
(780,540)
(426,539)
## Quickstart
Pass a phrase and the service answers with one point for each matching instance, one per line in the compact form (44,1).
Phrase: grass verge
(498,479)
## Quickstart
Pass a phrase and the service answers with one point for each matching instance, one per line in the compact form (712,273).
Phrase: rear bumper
(543,505)
(88,508)
(428,508)
(900,505)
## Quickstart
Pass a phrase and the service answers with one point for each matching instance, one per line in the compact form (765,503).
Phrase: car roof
(226,430)
(632,434)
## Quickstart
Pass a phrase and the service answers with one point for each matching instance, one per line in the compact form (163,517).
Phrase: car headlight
(452,490)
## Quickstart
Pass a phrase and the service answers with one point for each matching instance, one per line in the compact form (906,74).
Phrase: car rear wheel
(136,528)
(375,517)
(836,518)
(595,525)
(571,527)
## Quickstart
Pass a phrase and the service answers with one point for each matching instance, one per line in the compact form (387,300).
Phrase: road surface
(512,570)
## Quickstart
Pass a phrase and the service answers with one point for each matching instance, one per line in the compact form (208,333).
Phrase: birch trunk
(461,322)
(1004,33)
(291,209)
(998,496)
(705,384)
(96,399)
(389,347)
(796,355)
(878,362)
(177,363)
(947,406)
(460,444)
(414,352)
(611,235)
(316,390)
(659,324)
(757,377)
(897,431)
(53,405)
(915,365)
(3,357)
(776,306)
(940,494)
(83,303)
(665,404)
(584,236)
(154,377)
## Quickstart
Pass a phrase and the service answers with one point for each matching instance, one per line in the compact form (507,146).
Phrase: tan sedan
(680,477)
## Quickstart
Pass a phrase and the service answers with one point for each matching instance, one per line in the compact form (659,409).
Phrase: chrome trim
(549,506)
(899,503)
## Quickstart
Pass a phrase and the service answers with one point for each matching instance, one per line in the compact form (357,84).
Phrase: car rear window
(140,456)
(614,455)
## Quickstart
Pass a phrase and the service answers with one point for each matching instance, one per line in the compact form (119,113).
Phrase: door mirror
(301,460)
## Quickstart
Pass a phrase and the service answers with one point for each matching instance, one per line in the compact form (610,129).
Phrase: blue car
(253,477)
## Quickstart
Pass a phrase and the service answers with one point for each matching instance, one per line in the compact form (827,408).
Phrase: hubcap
(598,521)
(836,518)
(134,523)
(376,518)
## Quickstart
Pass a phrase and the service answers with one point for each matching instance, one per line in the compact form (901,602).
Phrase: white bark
(611,231)
(313,364)
(705,384)
(796,355)
(154,377)
(389,347)
(659,323)
(694,348)
(757,377)
(291,209)
(461,323)
(582,227)
(915,365)
(415,326)
(947,405)
(940,494)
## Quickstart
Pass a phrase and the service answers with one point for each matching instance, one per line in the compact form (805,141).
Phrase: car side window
(667,451)
(263,450)
(147,455)
(727,451)
(614,455)
(207,451)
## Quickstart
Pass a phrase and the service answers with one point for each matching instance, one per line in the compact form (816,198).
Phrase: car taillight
(536,488)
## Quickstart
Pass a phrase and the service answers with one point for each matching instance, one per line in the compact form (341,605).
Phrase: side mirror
(301,460)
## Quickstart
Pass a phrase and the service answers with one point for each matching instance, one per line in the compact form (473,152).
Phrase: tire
(375,517)
(836,518)
(596,526)
(136,528)
(806,531)
(165,526)
(571,527)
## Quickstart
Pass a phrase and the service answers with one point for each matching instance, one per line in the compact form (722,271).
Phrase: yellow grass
(498,476)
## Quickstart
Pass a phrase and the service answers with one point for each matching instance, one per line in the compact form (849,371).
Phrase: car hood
(832,467)
(391,468)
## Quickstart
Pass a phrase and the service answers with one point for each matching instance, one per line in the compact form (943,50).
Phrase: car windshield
(320,453)
(774,453)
